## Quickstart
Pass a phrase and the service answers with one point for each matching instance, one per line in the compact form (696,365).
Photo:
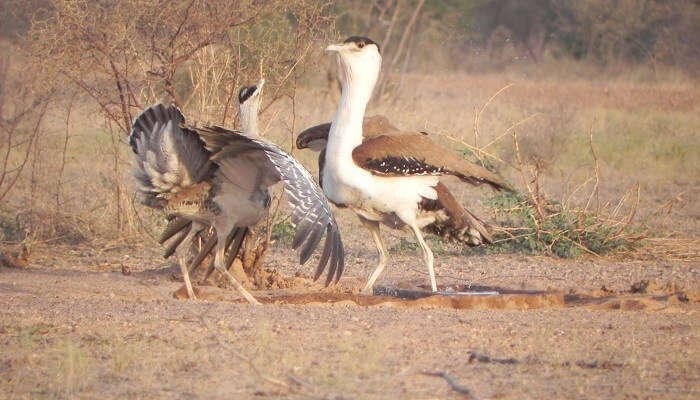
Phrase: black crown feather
(245,93)
(361,41)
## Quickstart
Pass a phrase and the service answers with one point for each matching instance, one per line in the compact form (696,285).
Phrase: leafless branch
(466,393)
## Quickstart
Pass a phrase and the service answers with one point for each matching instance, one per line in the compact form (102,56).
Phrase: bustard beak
(335,47)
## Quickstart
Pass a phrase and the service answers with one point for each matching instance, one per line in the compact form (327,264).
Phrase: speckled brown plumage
(418,154)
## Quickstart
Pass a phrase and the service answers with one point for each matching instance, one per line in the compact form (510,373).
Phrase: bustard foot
(433,285)
(190,293)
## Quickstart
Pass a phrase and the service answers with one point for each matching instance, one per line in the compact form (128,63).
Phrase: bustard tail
(455,222)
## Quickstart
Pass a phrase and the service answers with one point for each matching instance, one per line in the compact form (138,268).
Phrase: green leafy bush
(283,231)
(561,232)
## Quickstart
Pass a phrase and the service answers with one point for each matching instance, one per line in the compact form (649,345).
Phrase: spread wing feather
(310,209)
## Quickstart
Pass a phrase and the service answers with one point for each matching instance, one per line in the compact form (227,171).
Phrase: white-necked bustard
(392,178)
(211,176)
(452,220)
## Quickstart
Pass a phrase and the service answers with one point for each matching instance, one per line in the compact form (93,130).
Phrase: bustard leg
(427,254)
(182,260)
(373,227)
(220,265)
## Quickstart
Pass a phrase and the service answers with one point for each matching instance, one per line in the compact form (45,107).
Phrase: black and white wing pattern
(311,212)
(168,158)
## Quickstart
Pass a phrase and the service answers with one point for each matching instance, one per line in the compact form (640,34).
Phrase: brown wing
(371,127)
(417,154)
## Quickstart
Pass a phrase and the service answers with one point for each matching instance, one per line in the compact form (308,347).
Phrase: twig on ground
(487,359)
(454,385)
(299,382)
(255,369)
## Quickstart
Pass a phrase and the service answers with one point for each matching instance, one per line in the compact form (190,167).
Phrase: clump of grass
(403,246)
(13,227)
(124,355)
(487,163)
(28,337)
(283,231)
(532,224)
(566,233)
(71,367)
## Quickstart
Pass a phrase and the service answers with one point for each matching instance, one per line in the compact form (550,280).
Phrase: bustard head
(315,139)
(248,106)
(359,60)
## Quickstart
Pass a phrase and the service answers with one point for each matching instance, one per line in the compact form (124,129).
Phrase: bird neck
(249,119)
(346,129)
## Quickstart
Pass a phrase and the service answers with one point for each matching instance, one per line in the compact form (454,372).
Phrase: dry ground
(101,321)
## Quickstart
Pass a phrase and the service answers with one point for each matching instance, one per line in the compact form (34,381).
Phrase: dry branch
(450,381)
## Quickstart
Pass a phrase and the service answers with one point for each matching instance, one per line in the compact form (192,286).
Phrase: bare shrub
(22,115)
(533,223)
(112,59)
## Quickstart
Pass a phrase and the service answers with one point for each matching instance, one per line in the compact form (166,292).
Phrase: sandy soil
(102,321)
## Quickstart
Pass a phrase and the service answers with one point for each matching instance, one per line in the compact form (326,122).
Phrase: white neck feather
(357,83)
(248,114)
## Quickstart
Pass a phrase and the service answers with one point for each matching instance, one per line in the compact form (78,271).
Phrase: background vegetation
(590,106)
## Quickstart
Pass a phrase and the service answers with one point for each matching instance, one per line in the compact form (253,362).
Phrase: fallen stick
(487,359)
(454,385)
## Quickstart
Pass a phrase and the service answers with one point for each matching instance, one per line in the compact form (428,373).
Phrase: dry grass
(55,362)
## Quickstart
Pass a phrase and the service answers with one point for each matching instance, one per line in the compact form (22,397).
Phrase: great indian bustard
(249,98)
(211,176)
(392,178)
(455,222)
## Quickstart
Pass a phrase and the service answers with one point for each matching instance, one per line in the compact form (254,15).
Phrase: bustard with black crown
(214,177)
(391,179)
(452,220)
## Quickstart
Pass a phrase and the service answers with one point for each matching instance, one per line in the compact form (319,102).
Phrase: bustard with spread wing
(212,176)
(392,178)
(249,98)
